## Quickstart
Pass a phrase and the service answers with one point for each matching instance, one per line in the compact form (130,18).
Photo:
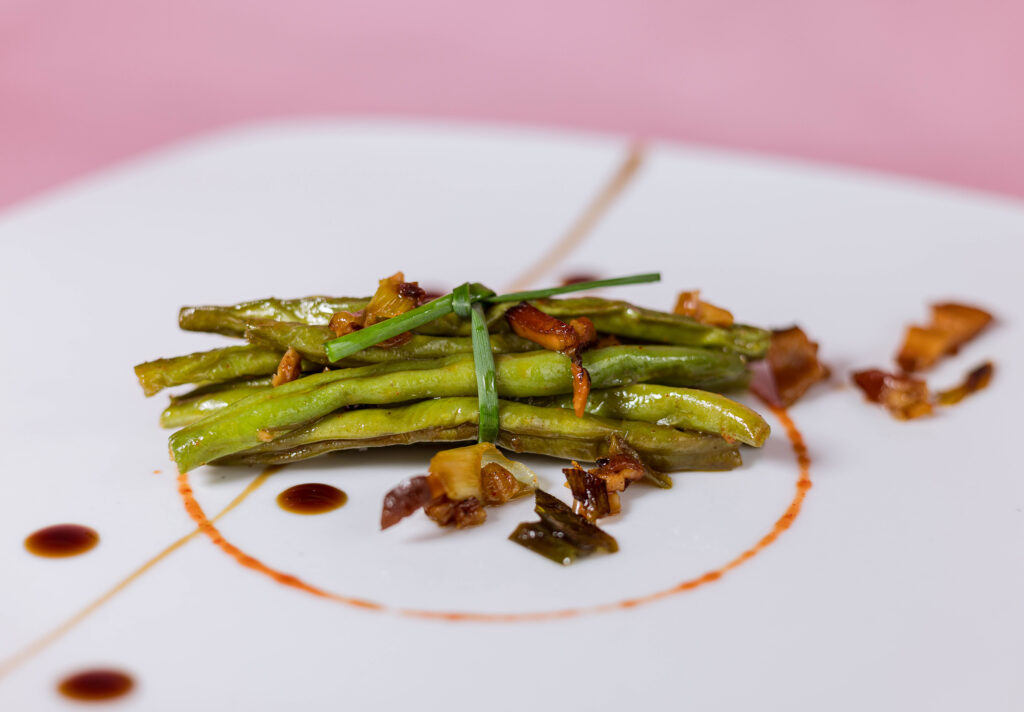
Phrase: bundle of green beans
(660,390)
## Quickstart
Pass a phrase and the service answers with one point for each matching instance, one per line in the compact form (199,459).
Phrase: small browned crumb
(905,397)
(264,436)
(952,325)
(607,340)
(462,513)
(689,304)
(790,368)
(288,369)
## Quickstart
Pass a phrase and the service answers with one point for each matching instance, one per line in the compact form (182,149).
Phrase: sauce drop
(96,685)
(62,540)
(311,498)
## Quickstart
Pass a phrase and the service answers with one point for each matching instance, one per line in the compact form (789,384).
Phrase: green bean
(217,365)
(684,408)
(308,340)
(633,322)
(232,320)
(523,428)
(200,402)
(540,373)
(612,317)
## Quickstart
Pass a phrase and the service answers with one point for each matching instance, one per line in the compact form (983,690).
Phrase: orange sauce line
(784,522)
(586,221)
(36,646)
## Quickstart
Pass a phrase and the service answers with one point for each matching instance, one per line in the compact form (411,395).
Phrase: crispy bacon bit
(288,369)
(977,379)
(689,304)
(553,334)
(344,322)
(789,369)
(407,497)
(498,484)
(904,396)
(462,513)
(952,326)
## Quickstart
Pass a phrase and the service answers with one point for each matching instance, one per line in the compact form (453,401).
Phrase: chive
(486,389)
(577,287)
(381,331)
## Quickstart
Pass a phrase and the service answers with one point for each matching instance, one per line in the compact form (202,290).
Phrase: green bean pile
(660,389)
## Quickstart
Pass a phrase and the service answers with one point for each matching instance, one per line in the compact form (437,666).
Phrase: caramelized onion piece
(789,369)
(344,322)
(288,369)
(905,397)
(952,325)
(460,482)
(498,484)
(976,379)
(531,323)
(595,492)
(394,296)
(462,513)
(586,332)
(589,493)
(689,304)
(553,334)
(580,386)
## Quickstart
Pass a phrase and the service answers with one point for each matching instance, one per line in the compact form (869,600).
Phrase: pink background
(932,89)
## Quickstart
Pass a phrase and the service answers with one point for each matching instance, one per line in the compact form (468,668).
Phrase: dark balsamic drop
(95,685)
(62,540)
(311,498)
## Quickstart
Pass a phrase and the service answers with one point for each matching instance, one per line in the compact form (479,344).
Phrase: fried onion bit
(952,325)
(595,492)
(553,334)
(789,369)
(689,304)
(460,483)
(394,296)
(904,396)
(976,379)
(288,369)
